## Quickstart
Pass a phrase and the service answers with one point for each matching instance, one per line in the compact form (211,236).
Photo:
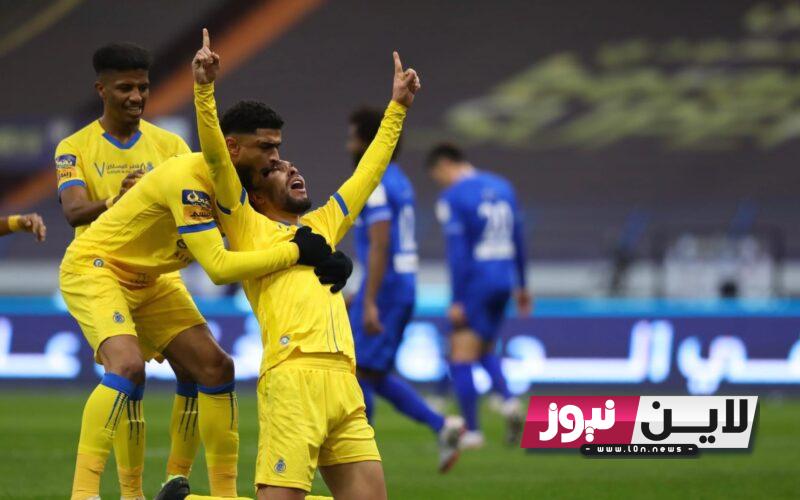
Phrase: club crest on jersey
(118,317)
(280,466)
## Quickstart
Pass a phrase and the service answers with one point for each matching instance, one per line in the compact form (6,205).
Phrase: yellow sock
(102,413)
(129,446)
(219,430)
(183,433)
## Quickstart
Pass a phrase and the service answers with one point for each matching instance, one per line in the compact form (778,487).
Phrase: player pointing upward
(311,410)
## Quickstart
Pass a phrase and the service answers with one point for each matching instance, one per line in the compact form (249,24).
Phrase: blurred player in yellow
(95,166)
(30,223)
(119,281)
(311,409)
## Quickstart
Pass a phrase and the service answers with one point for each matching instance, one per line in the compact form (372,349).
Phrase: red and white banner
(724,422)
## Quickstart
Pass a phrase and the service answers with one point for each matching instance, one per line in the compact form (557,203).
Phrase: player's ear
(101,91)
(233,146)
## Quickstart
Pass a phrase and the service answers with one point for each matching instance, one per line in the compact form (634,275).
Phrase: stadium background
(653,145)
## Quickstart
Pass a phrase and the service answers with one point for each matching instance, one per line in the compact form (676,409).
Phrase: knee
(130,367)
(464,350)
(218,371)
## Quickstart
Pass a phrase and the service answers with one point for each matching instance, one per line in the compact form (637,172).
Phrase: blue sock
(464,387)
(118,383)
(186,389)
(491,363)
(407,401)
(368,390)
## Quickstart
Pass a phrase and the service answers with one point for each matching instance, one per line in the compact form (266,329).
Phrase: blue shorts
(377,352)
(485,313)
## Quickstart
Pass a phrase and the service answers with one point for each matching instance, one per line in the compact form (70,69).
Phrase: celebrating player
(311,409)
(30,223)
(387,248)
(118,280)
(486,256)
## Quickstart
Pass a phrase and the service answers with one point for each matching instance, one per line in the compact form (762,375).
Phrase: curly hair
(245,117)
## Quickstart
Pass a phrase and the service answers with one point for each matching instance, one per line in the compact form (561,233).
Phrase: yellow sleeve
(181,148)
(69,167)
(191,207)
(228,188)
(335,218)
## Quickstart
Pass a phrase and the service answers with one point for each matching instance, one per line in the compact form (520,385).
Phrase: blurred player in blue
(486,256)
(387,249)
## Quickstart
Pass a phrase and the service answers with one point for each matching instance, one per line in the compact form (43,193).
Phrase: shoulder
(78,138)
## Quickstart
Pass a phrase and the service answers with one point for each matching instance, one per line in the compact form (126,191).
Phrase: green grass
(39,432)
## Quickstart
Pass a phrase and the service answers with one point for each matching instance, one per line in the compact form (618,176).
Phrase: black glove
(313,247)
(335,270)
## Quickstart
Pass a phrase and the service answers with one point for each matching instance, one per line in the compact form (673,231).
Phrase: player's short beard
(295,206)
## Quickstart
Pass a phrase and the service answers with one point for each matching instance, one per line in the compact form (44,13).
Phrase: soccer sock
(491,363)
(369,398)
(101,415)
(408,402)
(467,396)
(219,430)
(183,433)
(129,445)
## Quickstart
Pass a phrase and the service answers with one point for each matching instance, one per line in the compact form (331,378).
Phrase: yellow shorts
(104,308)
(310,412)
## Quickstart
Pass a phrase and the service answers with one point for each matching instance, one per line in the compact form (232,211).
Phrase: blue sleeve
(519,245)
(458,252)
(377,208)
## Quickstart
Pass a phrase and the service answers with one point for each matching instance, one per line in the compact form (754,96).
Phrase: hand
(205,64)
(524,302)
(457,315)
(33,223)
(313,247)
(128,182)
(335,270)
(406,83)
(372,322)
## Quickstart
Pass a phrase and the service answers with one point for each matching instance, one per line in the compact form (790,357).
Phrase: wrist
(14,223)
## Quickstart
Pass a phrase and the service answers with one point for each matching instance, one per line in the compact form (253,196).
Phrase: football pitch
(39,432)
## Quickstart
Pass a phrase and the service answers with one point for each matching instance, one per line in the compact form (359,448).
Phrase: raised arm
(345,205)
(227,187)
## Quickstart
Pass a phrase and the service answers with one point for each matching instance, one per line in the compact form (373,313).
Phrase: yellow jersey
(163,223)
(92,158)
(294,310)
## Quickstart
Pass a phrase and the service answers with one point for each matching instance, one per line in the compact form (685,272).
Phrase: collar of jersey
(123,145)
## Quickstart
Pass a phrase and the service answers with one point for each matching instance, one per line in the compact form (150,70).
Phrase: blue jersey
(484,236)
(392,201)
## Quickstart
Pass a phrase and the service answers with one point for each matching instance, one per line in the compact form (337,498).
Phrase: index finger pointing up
(398,66)
(206,39)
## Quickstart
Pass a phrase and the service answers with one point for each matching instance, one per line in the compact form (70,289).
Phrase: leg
(183,432)
(404,398)
(206,362)
(491,363)
(124,368)
(129,443)
(465,348)
(355,481)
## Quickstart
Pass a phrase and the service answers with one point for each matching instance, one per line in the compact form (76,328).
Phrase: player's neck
(288,218)
(119,130)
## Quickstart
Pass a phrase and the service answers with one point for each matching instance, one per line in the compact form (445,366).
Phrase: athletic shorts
(310,413)
(485,313)
(104,308)
(377,352)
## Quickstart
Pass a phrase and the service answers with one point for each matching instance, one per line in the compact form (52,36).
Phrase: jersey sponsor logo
(65,166)
(197,206)
(121,168)
(66,161)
